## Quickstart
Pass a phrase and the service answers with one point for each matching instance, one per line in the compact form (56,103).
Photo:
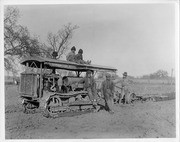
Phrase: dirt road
(143,120)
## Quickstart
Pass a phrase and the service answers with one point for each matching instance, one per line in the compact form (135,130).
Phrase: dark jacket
(107,89)
(78,57)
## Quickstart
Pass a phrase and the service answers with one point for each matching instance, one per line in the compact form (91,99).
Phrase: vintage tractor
(41,87)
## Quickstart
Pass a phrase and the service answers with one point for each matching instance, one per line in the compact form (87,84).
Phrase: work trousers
(92,95)
(125,94)
(109,103)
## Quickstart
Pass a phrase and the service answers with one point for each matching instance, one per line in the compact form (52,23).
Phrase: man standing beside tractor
(107,90)
(90,86)
(125,89)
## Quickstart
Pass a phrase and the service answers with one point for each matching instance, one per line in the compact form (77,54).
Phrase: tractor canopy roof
(40,62)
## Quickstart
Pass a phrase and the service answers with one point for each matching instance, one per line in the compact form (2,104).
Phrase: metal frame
(44,63)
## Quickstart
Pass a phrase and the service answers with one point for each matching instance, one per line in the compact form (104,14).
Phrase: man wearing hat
(124,89)
(90,86)
(107,90)
(71,55)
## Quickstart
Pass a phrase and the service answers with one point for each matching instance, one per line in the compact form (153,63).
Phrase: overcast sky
(137,38)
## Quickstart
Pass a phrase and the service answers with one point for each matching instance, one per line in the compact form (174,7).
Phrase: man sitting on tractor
(79,58)
(66,87)
(71,55)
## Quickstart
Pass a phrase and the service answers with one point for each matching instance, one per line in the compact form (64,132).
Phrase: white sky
(137,38)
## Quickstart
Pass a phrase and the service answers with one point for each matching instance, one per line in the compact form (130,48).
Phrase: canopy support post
(40,89)
(78,73)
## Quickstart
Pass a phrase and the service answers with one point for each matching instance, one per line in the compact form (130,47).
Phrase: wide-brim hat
(89,72)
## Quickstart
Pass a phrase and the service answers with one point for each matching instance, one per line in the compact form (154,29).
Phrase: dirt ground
(142,120)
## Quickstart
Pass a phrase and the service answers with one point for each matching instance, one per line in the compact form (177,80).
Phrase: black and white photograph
(90,71)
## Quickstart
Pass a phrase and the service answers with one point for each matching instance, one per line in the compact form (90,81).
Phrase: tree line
(160,74)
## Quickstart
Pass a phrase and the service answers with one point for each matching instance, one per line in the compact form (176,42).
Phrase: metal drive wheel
(52,105)
(28,107)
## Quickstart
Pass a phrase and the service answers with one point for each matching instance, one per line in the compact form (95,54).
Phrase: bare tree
(19,43)
(17,40)
(59,41)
